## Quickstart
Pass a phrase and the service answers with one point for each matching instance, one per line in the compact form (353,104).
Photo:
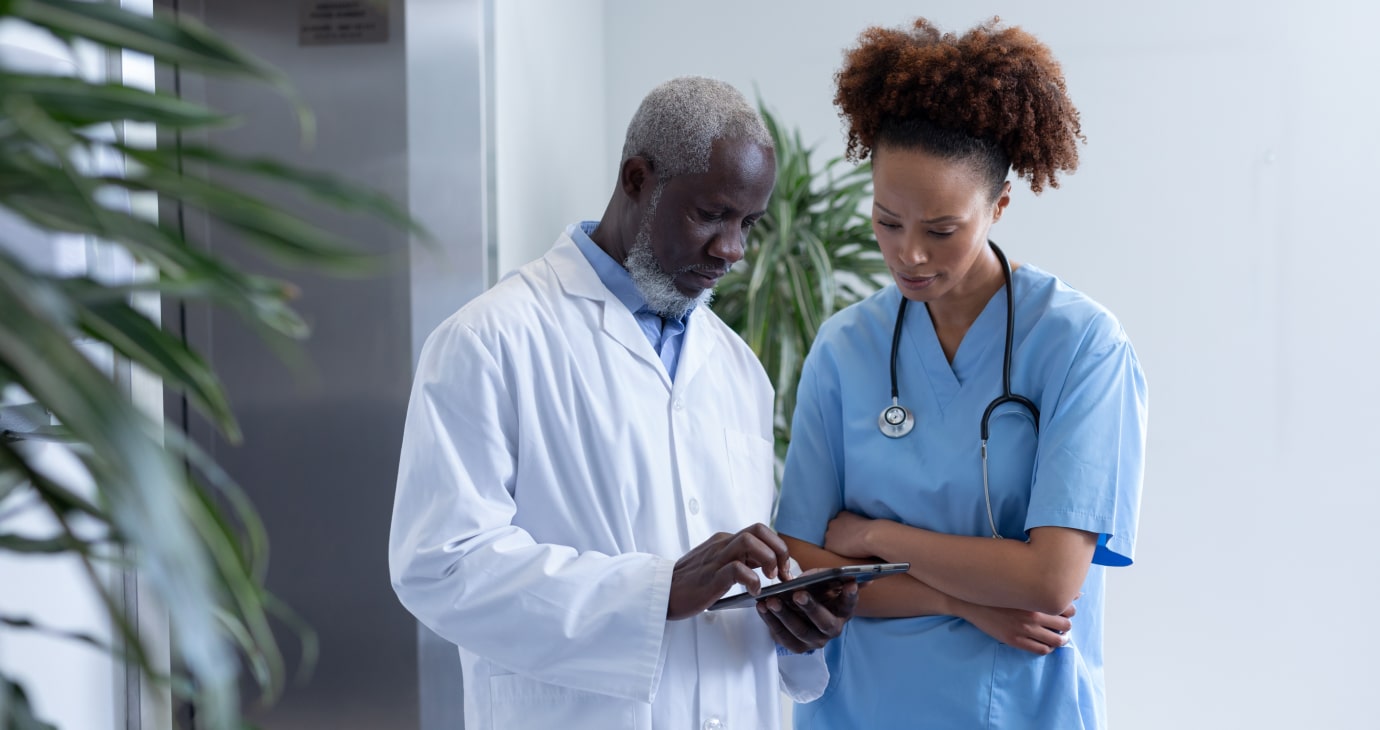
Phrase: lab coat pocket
(752,468)
(523,702)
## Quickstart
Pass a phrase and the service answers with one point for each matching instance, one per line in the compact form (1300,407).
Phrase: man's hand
(704,574)
(806,619)
(1037,633)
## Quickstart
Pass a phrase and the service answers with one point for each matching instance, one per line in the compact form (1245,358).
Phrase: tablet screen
(861,573)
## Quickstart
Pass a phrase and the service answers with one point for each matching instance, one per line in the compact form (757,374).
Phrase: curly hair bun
(1000,86)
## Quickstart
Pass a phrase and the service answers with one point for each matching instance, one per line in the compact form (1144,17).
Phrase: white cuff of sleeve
(804,677)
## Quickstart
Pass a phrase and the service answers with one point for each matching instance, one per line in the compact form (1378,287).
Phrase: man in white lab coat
(587,461)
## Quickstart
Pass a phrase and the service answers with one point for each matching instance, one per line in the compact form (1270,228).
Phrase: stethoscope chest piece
(896,421)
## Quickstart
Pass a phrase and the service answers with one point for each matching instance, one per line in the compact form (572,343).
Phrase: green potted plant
(809,256)
(159,506)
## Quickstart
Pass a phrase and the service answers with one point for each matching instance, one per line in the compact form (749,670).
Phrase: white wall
(68,683)
(552,167)
(1221,212)
(55,591)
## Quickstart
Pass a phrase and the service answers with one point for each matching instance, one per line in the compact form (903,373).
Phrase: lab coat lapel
(700,342)
(579,279)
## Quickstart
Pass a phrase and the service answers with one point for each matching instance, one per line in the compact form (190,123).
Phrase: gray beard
(657,285)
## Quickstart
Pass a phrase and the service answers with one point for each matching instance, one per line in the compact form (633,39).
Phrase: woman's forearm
(898,596)
(902,596)
(1043,574)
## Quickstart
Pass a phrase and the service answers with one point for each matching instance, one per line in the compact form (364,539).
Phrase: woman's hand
(847,535)
(1037,633)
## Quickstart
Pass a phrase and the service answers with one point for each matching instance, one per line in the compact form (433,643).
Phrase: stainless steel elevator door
(321,443)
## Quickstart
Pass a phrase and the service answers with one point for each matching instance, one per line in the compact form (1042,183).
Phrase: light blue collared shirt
(666,337)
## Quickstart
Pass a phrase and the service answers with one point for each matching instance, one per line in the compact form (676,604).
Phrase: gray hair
(677,123)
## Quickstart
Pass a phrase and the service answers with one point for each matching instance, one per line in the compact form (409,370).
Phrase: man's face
(694,226)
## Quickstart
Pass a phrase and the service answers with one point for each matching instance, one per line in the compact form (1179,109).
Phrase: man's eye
(710,216)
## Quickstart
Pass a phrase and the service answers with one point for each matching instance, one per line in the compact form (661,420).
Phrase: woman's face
(931,217)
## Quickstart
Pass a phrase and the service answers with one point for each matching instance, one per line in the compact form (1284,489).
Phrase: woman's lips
(916,282)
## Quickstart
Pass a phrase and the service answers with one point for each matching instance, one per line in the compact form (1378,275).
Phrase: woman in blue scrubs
(982,632)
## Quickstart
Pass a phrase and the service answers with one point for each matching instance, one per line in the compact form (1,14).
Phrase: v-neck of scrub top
(947,379)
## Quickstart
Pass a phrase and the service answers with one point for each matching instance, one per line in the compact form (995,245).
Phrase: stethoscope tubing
(1006,395)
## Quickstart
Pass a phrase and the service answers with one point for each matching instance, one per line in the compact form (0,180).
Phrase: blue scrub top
(1071,358)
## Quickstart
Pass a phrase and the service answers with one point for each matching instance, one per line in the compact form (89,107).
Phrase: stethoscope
(897,420)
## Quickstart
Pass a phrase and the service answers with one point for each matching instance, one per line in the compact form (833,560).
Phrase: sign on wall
(340,22)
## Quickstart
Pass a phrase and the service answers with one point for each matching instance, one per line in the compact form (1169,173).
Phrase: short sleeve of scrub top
(818,445)
(1089,462)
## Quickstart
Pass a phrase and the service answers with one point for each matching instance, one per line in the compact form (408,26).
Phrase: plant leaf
(136,475)
(55,495)
(176,41)
(187,272)
(182,42)
(205,559)
(24,624)
(134,336)
(77,103)
(279,234)
(15,709)
(44,546)
(325,188)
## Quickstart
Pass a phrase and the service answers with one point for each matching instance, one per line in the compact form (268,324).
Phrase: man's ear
(636,176)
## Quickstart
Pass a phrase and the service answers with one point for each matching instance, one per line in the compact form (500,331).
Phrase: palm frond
(78,104)
(810,255)
(159,502)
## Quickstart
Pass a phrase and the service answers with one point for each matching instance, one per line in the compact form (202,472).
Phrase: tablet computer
(860,573)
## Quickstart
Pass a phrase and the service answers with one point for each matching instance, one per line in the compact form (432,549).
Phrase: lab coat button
(679,404)
(713,723)
(694,506)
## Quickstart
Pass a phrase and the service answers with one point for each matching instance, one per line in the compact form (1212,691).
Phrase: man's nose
(729,245)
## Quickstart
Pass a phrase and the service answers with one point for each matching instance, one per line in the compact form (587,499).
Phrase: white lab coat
(551,475)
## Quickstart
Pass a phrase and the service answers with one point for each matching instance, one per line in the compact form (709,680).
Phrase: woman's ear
(1003,200)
